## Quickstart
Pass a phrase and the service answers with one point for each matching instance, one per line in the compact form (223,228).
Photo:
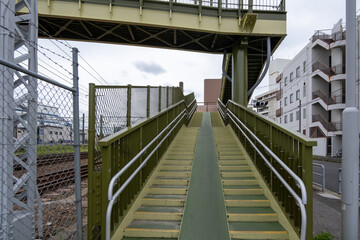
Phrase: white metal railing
(301,201)
(113,197)
(192,110)
(322,175)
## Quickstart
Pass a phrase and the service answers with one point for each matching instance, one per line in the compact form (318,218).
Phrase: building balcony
(329,100)
(278,112)
(329,126)
(278,79)
(278,94)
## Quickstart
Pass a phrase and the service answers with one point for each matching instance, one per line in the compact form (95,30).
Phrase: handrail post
(167,97)
(128,106)
(307,177)
(105,180)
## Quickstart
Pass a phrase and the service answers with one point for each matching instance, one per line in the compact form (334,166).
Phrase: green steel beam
(240,74)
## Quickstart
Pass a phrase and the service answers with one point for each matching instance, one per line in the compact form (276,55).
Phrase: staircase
(252,212)
(168,208)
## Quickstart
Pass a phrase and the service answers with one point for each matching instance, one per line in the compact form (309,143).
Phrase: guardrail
(283,157)
(340,180)
(322,175)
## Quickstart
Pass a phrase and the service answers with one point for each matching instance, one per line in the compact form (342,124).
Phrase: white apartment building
(312,90)
(270,97)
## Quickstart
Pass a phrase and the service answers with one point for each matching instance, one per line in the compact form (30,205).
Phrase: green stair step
(245,197)
(249,210)
(255,226)
(153,224)
(166,196)
(161,209)
(255,186)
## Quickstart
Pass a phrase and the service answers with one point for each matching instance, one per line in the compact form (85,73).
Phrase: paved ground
(327,213)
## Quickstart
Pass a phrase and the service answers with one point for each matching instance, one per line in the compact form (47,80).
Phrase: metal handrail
(192,110)
(112,198)
(322,174)
(221,111)
(301,201)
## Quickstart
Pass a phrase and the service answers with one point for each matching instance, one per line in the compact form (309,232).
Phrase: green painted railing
(116,151)
(293,148)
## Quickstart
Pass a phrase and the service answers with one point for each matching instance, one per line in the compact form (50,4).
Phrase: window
(51,132)
(291,117)
(297,115)
(60,133)
(304,90)
(56,133)
(285,101)
(297,72)
(291,77)
(304,66)
(291,98)
(285,119)
(285,81)
(297,94)
(304,113)
(280,120)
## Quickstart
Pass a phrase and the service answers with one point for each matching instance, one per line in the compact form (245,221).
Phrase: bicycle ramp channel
(205,188)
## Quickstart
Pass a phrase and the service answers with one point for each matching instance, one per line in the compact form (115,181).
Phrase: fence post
(148,101)
(167,97)
(83,129)
(128,110)
(159,98)
(77,164)
(94,201)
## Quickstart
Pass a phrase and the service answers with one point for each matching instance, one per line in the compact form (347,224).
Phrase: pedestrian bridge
(182,174)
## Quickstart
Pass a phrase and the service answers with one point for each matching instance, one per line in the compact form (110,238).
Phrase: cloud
(151,68)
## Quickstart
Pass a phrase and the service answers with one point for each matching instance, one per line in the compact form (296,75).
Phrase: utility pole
(350,159)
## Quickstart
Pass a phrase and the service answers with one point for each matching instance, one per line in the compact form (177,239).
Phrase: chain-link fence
(118,107)
(111,110)
(38,133)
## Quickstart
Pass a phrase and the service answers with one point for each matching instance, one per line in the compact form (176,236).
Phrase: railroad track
(52,181)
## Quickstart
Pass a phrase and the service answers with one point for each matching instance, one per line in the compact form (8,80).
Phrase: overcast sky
(122,65)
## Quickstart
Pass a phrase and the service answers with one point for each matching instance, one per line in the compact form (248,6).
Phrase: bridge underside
(207,27)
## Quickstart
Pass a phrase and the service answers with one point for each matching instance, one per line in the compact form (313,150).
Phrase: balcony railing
(322,36)
(339,36)
(338,69)
(329,126)
(329,100)
(278,112)
(322,67)
(278,94)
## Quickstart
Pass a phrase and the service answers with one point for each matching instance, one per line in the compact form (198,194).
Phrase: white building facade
(311,96)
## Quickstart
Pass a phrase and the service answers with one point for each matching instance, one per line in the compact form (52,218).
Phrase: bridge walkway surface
(205,187)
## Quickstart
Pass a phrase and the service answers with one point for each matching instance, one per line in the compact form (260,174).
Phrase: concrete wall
(320,149)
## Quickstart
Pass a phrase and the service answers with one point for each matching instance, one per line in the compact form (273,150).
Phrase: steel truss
(18,92)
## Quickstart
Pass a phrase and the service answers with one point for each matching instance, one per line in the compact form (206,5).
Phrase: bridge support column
(240,72)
